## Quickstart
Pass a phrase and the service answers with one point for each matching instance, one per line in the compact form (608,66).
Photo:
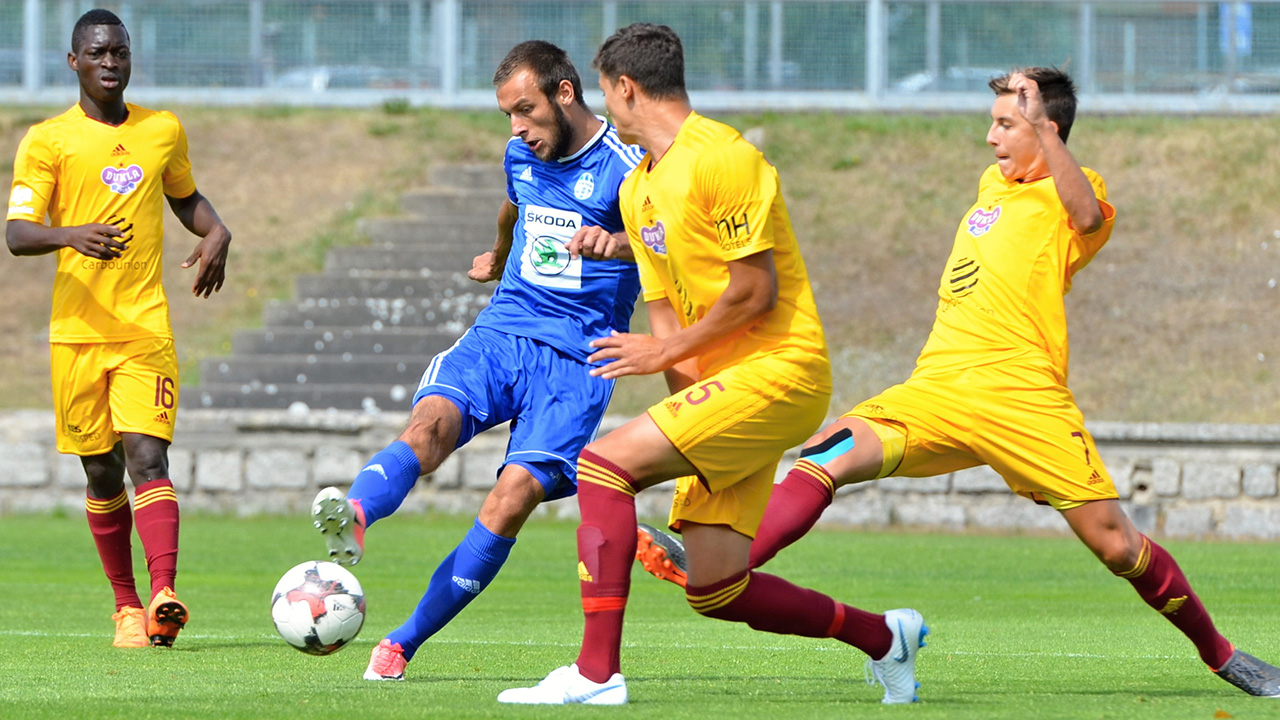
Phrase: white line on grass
(532,643)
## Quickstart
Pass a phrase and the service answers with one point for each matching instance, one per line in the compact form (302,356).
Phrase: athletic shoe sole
(661,555)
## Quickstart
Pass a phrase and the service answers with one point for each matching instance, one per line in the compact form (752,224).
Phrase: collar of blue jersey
(604,128)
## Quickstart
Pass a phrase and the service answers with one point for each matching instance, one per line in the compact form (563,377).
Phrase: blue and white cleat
(565,686)
(896,671)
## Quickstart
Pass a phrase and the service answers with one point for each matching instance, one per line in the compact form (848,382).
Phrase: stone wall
(1176,480)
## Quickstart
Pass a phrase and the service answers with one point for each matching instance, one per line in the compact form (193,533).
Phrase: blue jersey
(544,294)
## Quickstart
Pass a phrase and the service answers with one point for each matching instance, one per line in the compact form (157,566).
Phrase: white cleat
(896,671)
(564,686)
(335,517)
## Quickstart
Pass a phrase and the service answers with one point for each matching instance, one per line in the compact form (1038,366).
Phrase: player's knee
(147,460)
(432,437)
(104,474)
(1117,554)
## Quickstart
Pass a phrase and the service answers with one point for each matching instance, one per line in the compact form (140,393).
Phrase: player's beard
(563,137)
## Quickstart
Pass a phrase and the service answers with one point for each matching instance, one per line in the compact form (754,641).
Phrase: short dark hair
(649,54)
(93,18)
(1056,89)
(549,64)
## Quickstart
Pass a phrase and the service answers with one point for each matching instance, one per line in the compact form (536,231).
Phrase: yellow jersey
(1001,295)
(78,170)
(712,199)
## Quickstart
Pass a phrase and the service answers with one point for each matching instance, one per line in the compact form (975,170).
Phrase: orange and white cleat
(387,662)
(341,522)
(661,555)
(131,628)
(165,617)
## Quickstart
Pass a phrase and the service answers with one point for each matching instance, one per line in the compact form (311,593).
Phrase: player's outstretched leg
(896,671)
(771,604)
(661,554)
(1251,675)
(458,580)
(342,524)
(377,491)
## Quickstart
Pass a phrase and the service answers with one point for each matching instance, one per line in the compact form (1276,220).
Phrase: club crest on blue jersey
(585,187)
(122,180)
(980,221)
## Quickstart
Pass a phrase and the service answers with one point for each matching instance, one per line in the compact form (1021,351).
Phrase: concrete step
(394,285)
(453,314)
(436,260)
(470,229)
(451,204)
(266,396)
(317,368)
(417,342)
(469,177)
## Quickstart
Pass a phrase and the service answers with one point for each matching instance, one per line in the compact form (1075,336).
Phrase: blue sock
(384,481)
(459,579)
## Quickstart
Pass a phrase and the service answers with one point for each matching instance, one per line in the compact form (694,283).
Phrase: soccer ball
(318,607)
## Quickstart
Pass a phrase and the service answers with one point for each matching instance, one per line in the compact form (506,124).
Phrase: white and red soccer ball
(318,607)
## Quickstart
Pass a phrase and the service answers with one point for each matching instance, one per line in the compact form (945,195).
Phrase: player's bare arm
(751,294)
(198,216)
(596,243)
(487,266)
(1073,187)
(95,240)
(663,323)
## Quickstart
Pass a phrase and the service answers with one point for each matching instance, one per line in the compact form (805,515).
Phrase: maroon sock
(155,509)
(606,551)
(771,604)
(1160,582)
(795,505)
(111,523)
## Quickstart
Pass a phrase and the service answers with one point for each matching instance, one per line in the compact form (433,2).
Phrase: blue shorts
(553,404)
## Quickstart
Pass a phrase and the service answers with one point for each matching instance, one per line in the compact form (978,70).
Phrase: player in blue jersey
(566,278)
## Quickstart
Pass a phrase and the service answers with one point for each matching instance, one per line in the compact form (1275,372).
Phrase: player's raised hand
(597,243)
(485,268)
(97,240)
(630,353)
(211,253)
(1030,104)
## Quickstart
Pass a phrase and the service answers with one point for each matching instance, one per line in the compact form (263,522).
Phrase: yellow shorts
(1031,433)
(103,389)
(734,427)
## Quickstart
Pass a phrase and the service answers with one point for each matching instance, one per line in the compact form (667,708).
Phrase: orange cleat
(661,555)
(131,628)
(387,662)
(166,616)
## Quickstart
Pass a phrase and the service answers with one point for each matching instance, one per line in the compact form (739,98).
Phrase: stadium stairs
(358,335)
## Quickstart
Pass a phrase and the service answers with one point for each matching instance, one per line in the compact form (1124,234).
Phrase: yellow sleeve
(34,178)
(178,181)
(650,286)
(739,188)
(1084,247)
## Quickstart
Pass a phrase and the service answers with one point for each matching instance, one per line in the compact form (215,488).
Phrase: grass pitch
(1022,628)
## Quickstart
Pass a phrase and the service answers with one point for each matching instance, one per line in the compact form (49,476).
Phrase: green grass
(1022,627)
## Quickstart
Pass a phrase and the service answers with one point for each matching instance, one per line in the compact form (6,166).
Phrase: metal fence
(1140,55)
